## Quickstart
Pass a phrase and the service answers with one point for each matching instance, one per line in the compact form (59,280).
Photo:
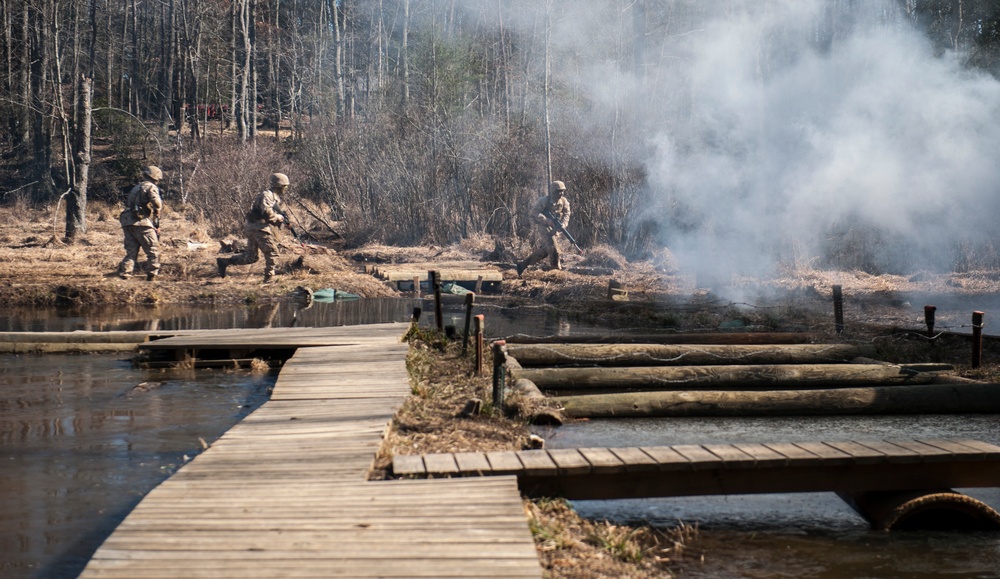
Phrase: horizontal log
(77,337)
(764,376)
(65,347)
(678,338)
(918,399)
(680,354)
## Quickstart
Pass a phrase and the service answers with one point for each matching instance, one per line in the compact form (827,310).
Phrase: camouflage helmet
(279,180)
(557,186)
(153,172)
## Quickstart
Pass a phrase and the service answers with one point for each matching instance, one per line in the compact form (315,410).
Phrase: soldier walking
(548,207)
(265,211)
(141,225)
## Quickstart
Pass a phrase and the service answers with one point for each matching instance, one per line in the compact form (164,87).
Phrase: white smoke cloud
(781,140)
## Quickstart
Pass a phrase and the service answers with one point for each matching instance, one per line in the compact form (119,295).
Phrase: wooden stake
(479,344)
(499,374)
(435,283)
(929,320)
(838,309)
(977,339)
(469,301)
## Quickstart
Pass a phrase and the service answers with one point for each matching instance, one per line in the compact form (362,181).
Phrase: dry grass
(570,546)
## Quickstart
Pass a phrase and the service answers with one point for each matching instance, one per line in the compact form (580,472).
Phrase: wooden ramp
(714,469)
(283,493)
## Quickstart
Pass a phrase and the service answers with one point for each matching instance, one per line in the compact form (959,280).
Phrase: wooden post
(479,284)
(435,282)
(977,339)
(416,315)
(838,309)
(469,301)
(479,343)
(416,285)
(499,374)
(929,320)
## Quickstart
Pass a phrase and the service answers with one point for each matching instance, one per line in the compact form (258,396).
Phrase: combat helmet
(279,180)
(557,186)
(153,172)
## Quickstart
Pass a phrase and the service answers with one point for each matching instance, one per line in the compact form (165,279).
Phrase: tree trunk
(76,202)
(758,377)
(919,399)
(606,355)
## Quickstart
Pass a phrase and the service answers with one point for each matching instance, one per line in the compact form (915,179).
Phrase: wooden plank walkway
(714,469)
(283,493)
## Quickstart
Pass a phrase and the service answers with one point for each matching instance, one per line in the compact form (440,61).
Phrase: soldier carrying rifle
(141,224)
(551,216)
(266,210)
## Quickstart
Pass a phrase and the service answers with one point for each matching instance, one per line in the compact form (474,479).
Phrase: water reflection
(82,440)
(501,321)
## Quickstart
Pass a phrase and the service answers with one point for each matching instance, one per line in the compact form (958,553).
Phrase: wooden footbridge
(284,493)
(909,474)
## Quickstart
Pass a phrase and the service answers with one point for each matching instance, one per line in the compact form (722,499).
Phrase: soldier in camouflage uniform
(556,204)
(141,225)
(266,210)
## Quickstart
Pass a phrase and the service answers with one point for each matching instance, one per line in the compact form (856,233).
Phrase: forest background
(427,121)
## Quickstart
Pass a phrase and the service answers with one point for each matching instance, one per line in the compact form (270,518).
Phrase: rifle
(559,227)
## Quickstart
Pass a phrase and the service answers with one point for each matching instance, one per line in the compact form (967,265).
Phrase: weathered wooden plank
(954,447)
(667,458)
(927,453)
(698,456)
(992,451)
(569,461)
(794,454)
(635,459)
(473,463)
(894,453)
(763,456)
(440,464)
(404,465)
(504,462)
(859,453)
(829,454)
(731,456)
(537,463)
(603,460)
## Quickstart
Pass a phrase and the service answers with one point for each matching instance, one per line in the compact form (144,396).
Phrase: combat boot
(151,276)
(268,278)
(124,275)
(222,263)
(520,268)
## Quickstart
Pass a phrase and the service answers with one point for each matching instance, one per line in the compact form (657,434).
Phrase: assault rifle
(559,227)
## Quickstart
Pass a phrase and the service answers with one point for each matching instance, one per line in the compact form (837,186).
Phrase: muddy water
(794,535)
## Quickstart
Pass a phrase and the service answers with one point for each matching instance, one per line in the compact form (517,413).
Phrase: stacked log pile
(735,378)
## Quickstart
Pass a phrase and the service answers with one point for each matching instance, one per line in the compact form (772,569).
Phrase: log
(758,377)
(535,406)
(65,347)
(79,337)
(919,399)
(680,355)
(678,338)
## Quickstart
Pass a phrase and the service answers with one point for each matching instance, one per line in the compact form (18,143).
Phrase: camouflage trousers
(545,247)
(145,238)
(258,242)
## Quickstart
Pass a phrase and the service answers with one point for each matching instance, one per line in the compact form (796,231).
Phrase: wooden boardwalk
(283,493)
(714,469)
